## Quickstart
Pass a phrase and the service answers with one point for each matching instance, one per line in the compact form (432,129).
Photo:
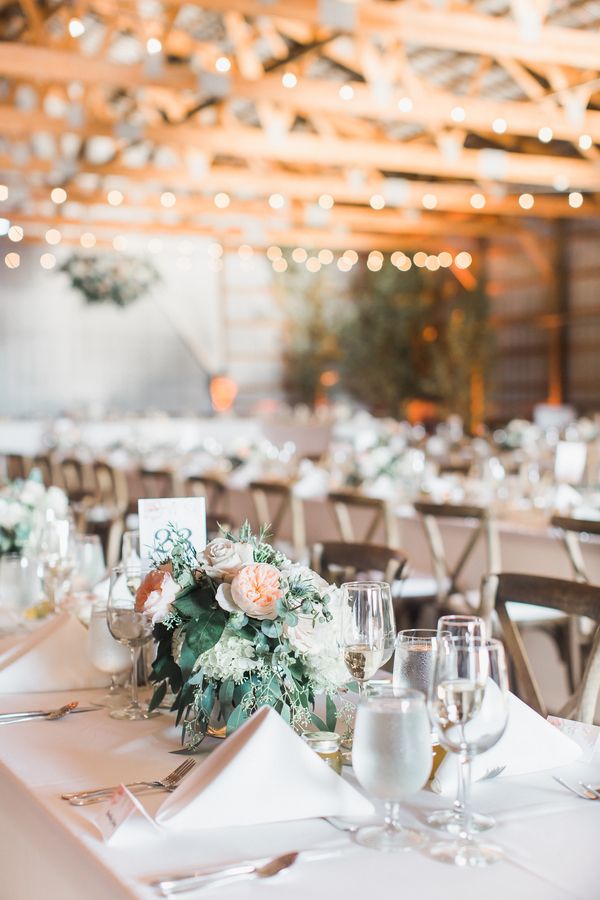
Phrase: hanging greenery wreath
(105,278)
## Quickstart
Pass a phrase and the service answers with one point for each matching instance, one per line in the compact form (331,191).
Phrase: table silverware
(586,794)
(168,783)
(212,877)
(340,825)
(50,715)
(590,787)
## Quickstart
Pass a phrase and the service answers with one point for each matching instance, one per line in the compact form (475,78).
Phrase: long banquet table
(53,850)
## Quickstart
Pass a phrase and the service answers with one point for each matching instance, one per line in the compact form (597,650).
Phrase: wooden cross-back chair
(214,492)
(156,483)
(447,578)
(43,463)
(17,466)
(381,516)
(272,500)
(569,597)
(339,561)
(111,490)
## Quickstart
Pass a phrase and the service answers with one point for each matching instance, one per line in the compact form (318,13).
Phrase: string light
(58,195)
(3,192)
(326,201)
(545,134)
(119,243)
(346,92)
(526,201)
(299,255)
(274,253)
(53,236)
(47,260)
(585,142)
(87,240)
(377,201)
(344,264)
(432,263)
(560,183)
(499,126)
(351,256)
(420,258)
(375,261)
(168,199)
(477,201)
(223,64)
(457,114)
(153,46)
(325,257)
(245,252)
(289,80)
(15,233)
(215,251)
(76,28)
(405,264)
(4,226)
(12,260)
(445,259)
(280,264)
(429,201)
(222,200)
(115,198)
(276,201)
(313,264)
(463,260)
(405,104)
(575,199)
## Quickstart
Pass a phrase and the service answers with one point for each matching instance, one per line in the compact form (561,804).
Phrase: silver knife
(213,876)
(11,718)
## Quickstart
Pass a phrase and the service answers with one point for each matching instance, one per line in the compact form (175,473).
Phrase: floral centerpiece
(111,278)
(24,504)
(239,626)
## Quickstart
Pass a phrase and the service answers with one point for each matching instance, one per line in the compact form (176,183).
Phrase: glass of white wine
(364,629)
(106,654)
(131,628)
(391,757)
(468,704)
(462,627)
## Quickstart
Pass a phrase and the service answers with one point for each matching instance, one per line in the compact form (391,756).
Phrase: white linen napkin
(529,744)
(263,772)
(51,658)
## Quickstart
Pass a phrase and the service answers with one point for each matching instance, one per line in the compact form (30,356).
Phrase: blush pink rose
(156,594)
(255,591)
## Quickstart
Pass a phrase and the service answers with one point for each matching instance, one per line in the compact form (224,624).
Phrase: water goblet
(468,704)
(131,628)
(107,654)
(391,757)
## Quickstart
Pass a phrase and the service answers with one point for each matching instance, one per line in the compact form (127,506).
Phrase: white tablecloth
(53,850)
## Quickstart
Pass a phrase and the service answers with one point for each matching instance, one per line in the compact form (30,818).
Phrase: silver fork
(587,794)
(168,783)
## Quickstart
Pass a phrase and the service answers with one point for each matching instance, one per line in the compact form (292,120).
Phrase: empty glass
(391,757)
(58,558)
(468,704)
(131,628)
(18,588)
(90,561)
(366,628)
(107,654)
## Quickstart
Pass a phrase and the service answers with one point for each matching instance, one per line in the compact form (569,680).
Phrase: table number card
(187,514)
(122,807)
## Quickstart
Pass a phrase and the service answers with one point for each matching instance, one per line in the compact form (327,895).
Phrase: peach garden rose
(255,591)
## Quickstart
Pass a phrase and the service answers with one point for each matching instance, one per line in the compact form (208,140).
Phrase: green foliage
(107,278)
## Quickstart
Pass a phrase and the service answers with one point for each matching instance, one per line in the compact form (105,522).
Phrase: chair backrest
(207,486)
(72,474)
(110,486)
(110,531)
(156,483)
(339,561)
(44,465)
(17,466)
(447,577)
(272,500)
(380,515)
(570,597)
(571,529)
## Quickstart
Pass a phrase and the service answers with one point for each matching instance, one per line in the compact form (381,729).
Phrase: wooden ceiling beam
(307,149)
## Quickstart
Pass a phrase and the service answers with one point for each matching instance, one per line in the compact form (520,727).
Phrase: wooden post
(558,349)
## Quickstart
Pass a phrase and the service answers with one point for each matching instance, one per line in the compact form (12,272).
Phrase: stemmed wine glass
(391,757)
(367,625)
(131,628)
(106,654)
(468,704)
(462,627)
(58,557)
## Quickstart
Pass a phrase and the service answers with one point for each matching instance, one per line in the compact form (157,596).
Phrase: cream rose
(223,559)
(255,591)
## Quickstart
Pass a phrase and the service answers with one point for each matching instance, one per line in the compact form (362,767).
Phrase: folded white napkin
(51,658)
(263,772)
(529,744)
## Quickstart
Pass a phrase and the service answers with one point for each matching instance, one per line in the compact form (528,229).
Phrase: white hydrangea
(231,657)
